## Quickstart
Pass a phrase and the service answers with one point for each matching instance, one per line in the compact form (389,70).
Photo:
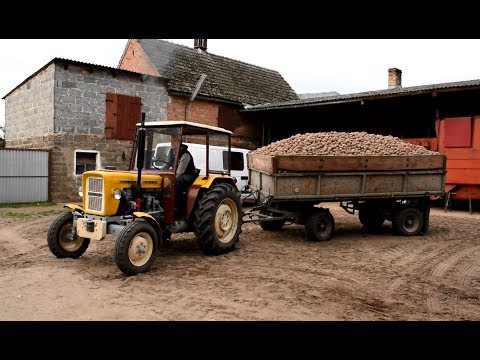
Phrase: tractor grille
(94,193)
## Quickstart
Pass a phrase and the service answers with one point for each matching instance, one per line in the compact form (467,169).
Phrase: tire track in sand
(432,301)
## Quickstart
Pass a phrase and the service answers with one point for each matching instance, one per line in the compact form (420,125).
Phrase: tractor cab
(162,157)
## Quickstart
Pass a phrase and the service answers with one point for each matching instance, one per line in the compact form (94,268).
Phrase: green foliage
(15,215)
(23,205)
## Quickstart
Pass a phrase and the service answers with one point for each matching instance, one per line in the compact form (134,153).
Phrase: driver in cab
(186,168)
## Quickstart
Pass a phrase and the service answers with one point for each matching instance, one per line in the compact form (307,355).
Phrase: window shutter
(129,113)
(111,116)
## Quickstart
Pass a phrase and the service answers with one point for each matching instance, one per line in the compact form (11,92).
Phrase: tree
(2,136)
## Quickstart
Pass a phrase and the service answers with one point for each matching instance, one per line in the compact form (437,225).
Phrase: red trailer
(459,139)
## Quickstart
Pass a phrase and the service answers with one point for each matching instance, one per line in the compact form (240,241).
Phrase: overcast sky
(309,66)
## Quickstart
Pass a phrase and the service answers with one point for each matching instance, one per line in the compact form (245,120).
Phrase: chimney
(200,45)
(394,78)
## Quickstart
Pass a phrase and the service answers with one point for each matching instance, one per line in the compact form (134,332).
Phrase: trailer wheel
(407,221)
(274,225)
(218,220)
(136,247)
(60,240)
(371,218)
(319,226)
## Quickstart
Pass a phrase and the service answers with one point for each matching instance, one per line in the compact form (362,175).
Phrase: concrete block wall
(29,108)
(80,95)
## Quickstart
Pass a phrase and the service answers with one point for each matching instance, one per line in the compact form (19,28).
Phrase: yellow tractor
(141,206)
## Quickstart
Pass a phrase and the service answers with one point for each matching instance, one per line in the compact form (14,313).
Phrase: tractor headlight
(80,191)
(117,194)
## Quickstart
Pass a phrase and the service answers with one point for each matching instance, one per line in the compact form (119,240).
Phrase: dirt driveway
(270,276)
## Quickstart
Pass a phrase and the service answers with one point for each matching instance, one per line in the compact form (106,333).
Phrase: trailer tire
(320,225)
(136,247)
(407,221)
(371,218)
(58,238)
(275,225)
(218,219)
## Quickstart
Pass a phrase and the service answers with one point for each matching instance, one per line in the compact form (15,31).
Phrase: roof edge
(76,62)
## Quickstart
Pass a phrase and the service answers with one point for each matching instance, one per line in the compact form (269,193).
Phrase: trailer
(394,188)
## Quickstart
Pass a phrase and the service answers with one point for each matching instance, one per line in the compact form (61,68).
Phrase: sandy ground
(270,275)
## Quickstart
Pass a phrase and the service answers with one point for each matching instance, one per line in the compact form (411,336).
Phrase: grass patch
(50,212)
(23,205)
(15,215)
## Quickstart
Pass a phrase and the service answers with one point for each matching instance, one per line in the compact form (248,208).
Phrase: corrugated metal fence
(24,175)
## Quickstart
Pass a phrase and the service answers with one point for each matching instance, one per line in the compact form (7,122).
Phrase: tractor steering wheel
(156,165)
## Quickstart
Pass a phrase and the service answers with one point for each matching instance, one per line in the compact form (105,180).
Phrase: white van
(218,159)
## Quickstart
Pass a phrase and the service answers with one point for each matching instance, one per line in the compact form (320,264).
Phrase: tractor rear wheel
(218,219)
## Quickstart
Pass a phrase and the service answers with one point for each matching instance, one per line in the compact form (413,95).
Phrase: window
(237,160)
(123,112)
(86,160)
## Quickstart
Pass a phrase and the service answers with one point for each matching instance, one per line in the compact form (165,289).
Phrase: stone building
(85,114)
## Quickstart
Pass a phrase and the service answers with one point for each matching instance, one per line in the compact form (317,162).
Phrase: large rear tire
(320,225)
(136,247)
(60,240)
(218,220)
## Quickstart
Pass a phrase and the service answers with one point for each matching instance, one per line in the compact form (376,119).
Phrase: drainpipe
(195,92)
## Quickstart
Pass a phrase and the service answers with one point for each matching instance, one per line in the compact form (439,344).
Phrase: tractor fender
(200,185)
(206,182)
(73,207)
(150,219)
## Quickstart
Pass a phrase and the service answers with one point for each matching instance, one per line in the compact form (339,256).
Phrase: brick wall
(80,94)
(199,111)
(64,184)
(247,135)
(134,59)
(29,109)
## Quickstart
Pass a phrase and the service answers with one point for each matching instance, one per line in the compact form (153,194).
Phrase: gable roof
(393,92)
(227,79)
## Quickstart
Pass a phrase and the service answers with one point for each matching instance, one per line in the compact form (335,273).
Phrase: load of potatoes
(335,143)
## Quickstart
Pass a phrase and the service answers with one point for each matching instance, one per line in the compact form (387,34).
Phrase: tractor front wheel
(136,247)
(62,242)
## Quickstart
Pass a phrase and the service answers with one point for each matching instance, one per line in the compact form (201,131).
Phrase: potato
(335,143)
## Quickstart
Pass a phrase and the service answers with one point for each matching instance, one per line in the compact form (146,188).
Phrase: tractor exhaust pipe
(141,152)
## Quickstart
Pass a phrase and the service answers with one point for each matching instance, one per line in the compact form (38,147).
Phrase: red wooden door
(123,112)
